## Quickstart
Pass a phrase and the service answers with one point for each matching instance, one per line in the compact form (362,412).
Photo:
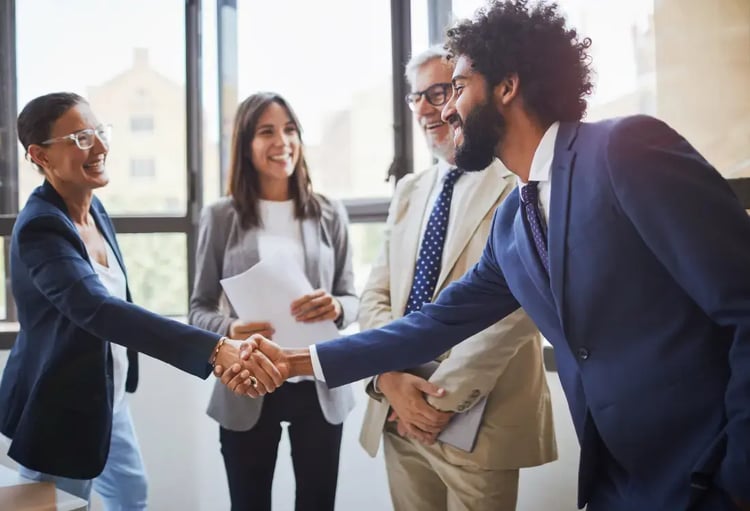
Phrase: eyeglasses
(85,139)
(436,95)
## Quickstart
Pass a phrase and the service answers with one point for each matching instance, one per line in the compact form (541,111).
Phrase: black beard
(483,130)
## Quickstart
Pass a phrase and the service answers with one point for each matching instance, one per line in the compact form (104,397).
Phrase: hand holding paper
(271,289)
(319,305)
(240,329)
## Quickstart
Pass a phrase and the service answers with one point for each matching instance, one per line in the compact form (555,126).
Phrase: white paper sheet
(266,291)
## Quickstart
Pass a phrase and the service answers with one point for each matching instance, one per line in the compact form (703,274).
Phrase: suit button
(475,393)
(583,353)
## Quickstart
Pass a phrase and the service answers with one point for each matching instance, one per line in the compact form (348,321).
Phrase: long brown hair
(243,183)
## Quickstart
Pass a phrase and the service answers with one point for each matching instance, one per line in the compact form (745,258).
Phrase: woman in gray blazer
(271,208)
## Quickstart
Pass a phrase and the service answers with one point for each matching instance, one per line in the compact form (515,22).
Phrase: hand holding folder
(462,429)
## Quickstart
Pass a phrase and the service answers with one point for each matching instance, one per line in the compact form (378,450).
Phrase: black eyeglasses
(436,94)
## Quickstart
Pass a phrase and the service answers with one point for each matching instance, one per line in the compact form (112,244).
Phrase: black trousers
(250,456)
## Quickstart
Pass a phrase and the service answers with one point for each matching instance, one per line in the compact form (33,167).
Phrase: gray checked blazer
(226,249)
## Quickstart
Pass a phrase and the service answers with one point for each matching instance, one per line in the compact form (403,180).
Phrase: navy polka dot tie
(530,204)
(427,269)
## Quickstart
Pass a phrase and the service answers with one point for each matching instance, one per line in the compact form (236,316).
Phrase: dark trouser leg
(250,460)
(315,452)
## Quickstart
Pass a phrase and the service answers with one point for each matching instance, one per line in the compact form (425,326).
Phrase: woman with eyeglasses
(62,394)
(271,209)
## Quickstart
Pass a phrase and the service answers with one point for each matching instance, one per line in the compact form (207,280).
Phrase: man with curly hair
(627,249)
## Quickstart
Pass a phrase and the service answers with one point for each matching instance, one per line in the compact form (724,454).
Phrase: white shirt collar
(443,168)
(541,164)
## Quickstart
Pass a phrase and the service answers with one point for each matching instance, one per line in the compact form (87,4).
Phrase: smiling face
(64,164)
(437,132)
(275,146)
(478,126)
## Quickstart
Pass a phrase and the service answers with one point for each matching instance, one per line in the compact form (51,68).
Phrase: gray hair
(420,59)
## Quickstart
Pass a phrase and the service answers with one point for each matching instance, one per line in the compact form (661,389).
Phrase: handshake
(257,366)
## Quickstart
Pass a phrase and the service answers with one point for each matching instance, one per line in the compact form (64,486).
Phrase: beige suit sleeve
(474,366)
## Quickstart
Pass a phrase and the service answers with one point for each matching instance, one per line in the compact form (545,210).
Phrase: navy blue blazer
(647,306)
(57,387)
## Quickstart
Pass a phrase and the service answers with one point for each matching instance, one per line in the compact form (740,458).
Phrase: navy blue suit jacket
(57,387)
(647,306)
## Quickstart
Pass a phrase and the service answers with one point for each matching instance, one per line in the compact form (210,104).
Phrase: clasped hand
(253,367)
(414,416)
(257,365)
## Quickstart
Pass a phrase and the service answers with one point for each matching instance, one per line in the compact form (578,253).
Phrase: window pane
(134,79)
(336,73)
(420,27)
(157,271)
(211,103)
(142,123)
(648,60)
(367,240)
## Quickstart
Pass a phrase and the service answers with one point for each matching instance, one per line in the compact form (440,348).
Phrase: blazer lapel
(311,243)
(483,194)
(406,235)
(561,174)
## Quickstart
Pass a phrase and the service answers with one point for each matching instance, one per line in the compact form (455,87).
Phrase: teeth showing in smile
(433,125)
(282,158)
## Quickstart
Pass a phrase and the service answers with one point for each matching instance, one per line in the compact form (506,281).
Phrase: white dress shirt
(113,278)
(541,169)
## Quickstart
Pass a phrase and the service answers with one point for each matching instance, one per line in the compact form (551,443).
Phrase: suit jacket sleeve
(204,302)
(478,362)
(467,306)
(669,191)
(51,251)
(343,279)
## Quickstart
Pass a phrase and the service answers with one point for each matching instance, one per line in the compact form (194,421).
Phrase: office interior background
(168,75)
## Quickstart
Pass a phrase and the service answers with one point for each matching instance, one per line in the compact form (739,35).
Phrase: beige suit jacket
(503,362)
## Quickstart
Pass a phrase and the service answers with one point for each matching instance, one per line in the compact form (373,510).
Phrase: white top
(113,278)
(281,232)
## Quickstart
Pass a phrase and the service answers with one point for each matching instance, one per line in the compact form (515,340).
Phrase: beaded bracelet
(216,351)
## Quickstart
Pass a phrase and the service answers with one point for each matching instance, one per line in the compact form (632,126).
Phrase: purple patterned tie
(431,251)
(530,203)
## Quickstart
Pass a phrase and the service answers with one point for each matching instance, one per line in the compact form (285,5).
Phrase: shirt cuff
(317,369)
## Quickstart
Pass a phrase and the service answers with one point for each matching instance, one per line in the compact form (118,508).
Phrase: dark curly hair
(551,61)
